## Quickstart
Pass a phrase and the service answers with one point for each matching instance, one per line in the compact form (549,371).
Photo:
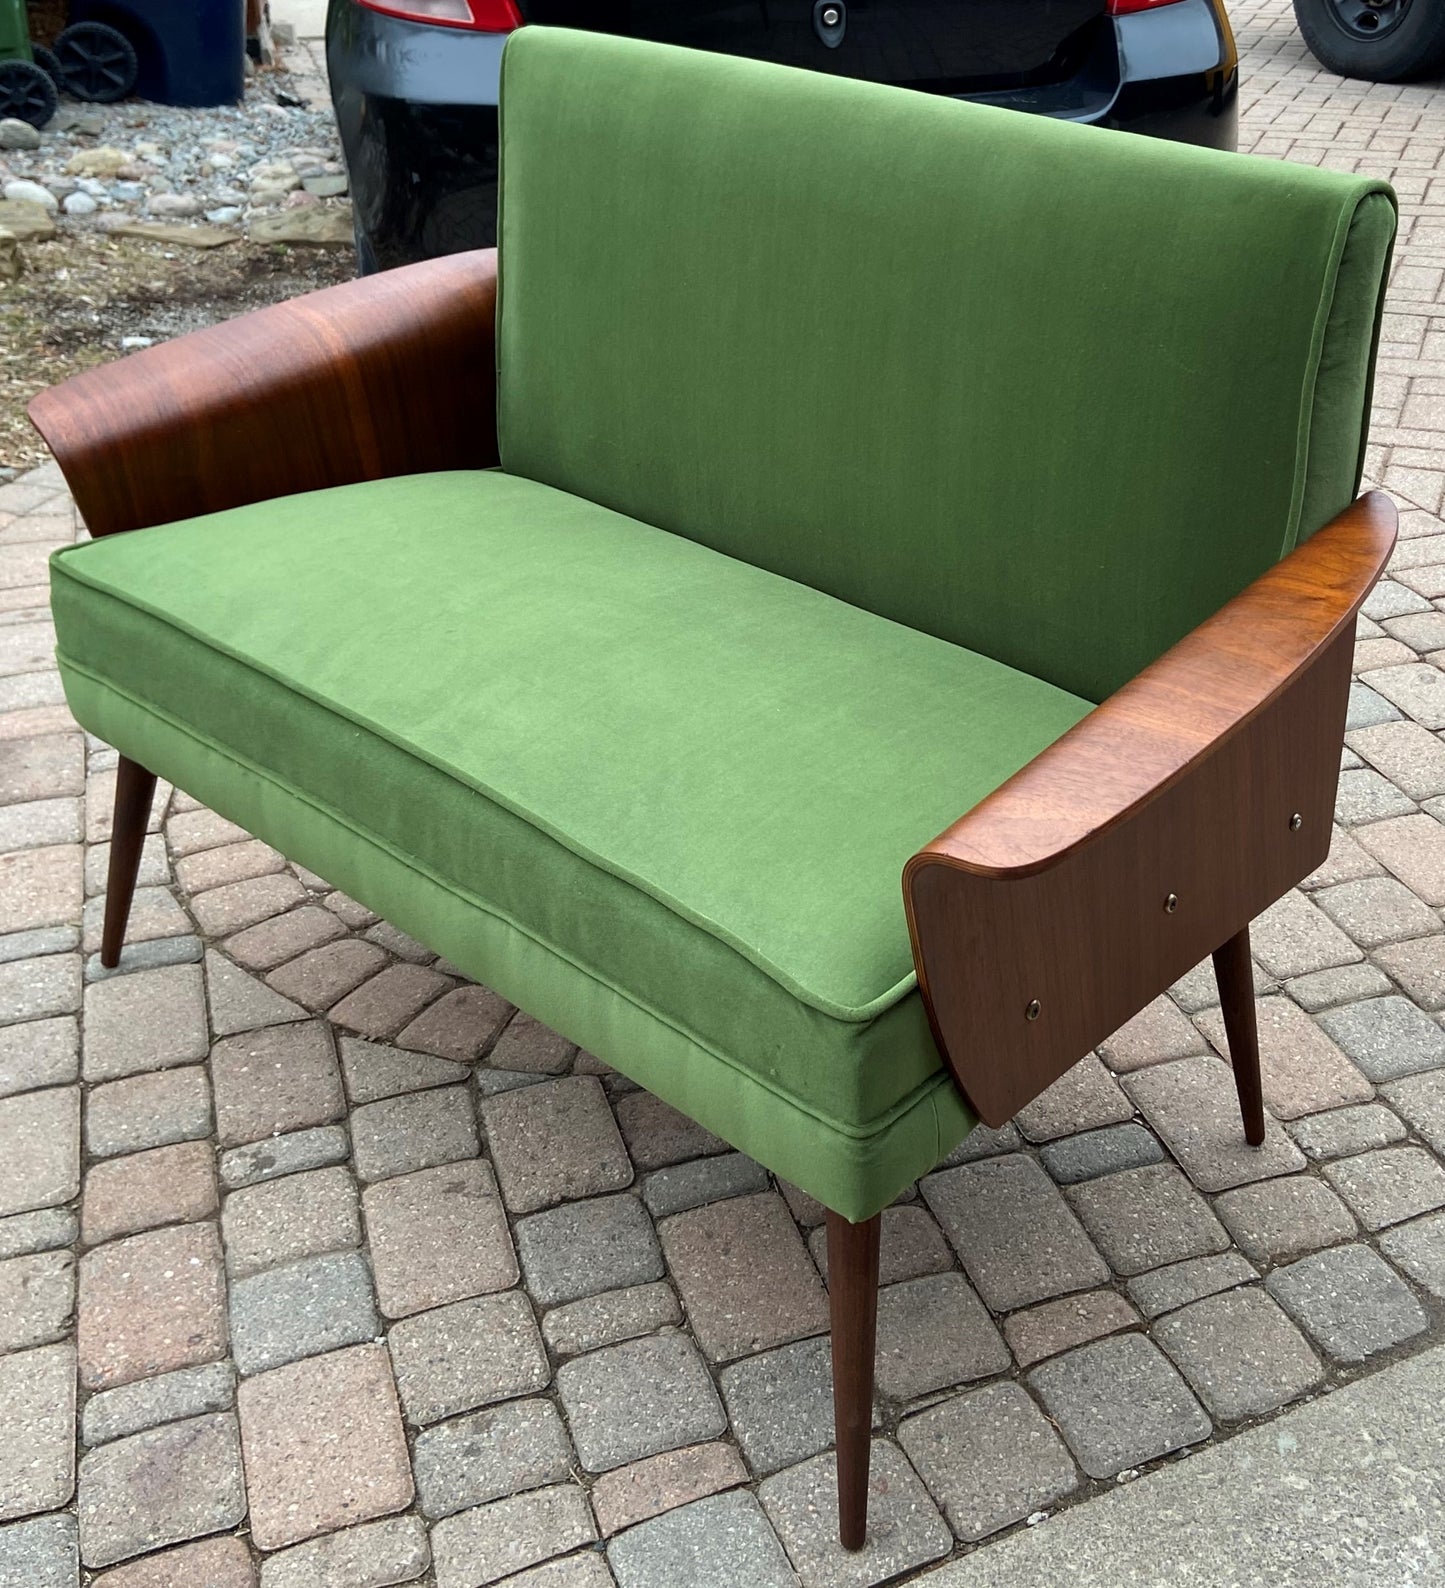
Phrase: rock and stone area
(191,177)
(322,1267)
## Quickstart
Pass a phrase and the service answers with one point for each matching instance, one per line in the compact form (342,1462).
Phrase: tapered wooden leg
(1235,974)
(853,1301)
(134,790)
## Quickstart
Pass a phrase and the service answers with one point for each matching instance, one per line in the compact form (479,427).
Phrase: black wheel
(26,93)
(96,62)
(45,60)
(1383,41)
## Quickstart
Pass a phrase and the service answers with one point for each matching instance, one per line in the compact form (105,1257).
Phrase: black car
(415,81)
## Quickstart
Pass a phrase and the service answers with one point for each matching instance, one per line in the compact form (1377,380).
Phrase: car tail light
(482,16)
(1123,8)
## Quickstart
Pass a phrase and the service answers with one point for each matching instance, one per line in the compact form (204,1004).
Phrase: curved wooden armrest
(1150,833)
(391,374)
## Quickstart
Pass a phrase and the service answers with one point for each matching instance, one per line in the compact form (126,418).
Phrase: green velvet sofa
(847,608)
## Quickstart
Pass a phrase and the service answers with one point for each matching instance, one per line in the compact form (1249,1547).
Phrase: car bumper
(417,110)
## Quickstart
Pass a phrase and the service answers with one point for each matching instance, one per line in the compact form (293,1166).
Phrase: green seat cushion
(1050,392)
(581,756)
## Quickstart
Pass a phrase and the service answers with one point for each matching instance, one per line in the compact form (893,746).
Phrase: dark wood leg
(1235,975)
(134,790)
(853,1300)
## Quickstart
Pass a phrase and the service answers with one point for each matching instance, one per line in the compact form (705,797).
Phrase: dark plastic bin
(191,52)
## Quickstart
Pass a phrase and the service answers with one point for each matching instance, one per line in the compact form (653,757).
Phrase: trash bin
(190,52)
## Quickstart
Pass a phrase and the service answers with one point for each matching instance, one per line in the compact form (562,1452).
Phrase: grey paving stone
(934,1333)
(1146,1218)
(1119,1403)
(585,1570)
(1243,1357)
(492,1083)
(585,1247)
(780,1403)
(1349,1301)
(40,1554)
(403,1134)
(273,1081)
(905,1529)
(1168,1288)
(595,1321)
(153,1020)
(1347,1130)
(1377,910)
(1324,989)
(37,1430)
(44,821)
(488,1454)
(554,1142)
(1416,688)
(990,1458)
(478,1547)
(719,1542)
(1294,937)
(1193,1105)
(1409,755)
(283,1155)
(1367,709)
(911,1245)
(40,1166)
(40,1231)
(302,1309)
(1365,796)
(457,1358)
(40,940)
(375,1071)
(35,989)
(981,1142)
(1421,1100)
(279,1221)
(691,1185)
(1099,1152)
(149,1402)
(1086,1097)
(1055,1326)
(37,1299)
(154,914)
(1386,1037)
(1419,967)
(1418,1249)
(376,1555)
(638,1398)
(1015,1233)
(144,1111)
(745,1277)
(1276,1221)
(241,1003)
(236,905)
(183,948)
(39,1053)
(1389,1186)
(160,1487)
(436,1236)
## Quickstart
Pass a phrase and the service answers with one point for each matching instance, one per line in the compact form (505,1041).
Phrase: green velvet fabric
(656,796)
(1051,393)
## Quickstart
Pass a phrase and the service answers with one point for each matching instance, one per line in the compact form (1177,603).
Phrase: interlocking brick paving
(321,1267)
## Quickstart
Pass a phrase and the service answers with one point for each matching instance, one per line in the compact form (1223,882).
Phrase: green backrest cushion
(1051,393)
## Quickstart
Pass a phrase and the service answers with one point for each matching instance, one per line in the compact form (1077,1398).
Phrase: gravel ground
(110,204)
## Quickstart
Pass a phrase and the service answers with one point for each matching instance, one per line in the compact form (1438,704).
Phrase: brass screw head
(1034,1010)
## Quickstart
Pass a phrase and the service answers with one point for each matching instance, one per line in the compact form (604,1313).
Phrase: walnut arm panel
(1150,833)
(391,374)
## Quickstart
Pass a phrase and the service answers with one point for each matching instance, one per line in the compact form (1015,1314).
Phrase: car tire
(1391,41)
